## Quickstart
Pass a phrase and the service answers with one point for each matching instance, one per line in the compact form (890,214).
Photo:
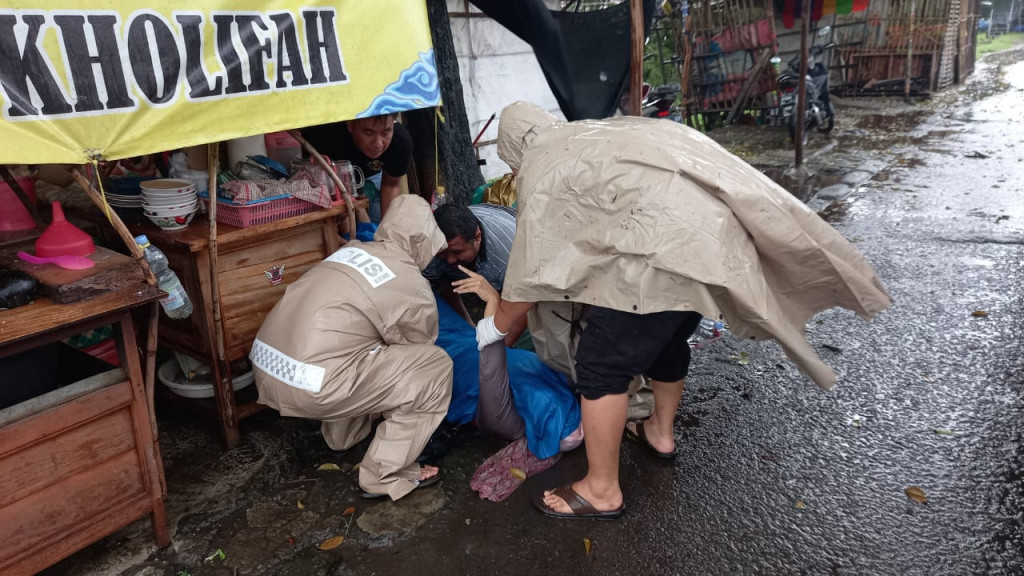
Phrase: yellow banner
(125,78)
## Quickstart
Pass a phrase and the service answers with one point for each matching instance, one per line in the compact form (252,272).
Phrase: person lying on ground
(510,388)
(353,338)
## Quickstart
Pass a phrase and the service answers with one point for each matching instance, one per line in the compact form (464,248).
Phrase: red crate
(244,216)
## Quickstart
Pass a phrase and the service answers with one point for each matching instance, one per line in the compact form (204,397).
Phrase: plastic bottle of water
(709,328)
(177,304)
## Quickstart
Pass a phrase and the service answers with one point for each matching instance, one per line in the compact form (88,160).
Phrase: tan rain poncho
(645,215)
(354,336)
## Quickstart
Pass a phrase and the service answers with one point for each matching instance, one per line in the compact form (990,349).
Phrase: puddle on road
(803,188)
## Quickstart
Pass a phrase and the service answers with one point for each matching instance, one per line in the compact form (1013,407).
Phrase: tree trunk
(458,162)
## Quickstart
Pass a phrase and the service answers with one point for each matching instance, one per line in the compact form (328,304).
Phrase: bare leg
(603,420)
(658,428)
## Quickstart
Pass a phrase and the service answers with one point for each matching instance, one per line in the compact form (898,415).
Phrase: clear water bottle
(709,328)
(177,304)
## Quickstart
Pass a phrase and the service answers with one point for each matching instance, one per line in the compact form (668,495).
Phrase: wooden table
(81,462)
(254,266)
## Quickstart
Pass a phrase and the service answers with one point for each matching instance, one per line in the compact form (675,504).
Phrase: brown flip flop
(640,435)
(579,505)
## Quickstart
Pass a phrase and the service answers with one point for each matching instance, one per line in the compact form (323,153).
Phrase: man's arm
(509,313)
(455,301)
(515,332)
(390,188)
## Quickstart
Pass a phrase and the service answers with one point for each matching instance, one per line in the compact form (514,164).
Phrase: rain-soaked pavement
(774,476)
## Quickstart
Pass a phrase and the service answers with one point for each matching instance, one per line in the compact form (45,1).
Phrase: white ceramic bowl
(169,202)
(173,194)
(171,222)
(165,185)
(172,211)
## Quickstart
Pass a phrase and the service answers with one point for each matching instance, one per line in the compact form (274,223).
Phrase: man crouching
(354,337)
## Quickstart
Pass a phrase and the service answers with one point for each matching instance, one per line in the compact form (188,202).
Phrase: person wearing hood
(354,338)
(649,225)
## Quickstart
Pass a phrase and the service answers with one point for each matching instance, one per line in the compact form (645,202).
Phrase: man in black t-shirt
(376,145)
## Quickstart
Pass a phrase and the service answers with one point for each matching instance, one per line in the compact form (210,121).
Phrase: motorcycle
(655,103)
(660,102)
(820,113)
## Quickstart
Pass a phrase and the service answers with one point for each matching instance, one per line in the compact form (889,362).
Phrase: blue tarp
(541,395)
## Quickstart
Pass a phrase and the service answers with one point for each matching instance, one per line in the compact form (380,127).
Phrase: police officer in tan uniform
(354,337)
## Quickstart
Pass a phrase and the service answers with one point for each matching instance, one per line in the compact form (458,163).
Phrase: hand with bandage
(486,331)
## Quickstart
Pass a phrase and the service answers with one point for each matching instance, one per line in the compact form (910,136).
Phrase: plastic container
(240,149)
(62,238)
(282,147)
(709,328)
(14,216)
(177,304)
(171,376)
(269,210)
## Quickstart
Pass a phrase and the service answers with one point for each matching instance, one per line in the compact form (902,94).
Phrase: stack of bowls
(169,203)
(123,197)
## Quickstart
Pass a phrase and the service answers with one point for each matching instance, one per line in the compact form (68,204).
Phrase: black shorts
(616,346)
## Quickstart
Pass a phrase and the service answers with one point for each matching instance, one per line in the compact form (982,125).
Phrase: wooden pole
(213,156)
(636,68)
(801,101)
(225,394)
(119,227)
(346,194)
(20,193)
(910,55)
(149,380)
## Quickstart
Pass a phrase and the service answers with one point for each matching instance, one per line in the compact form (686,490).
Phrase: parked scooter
(658,102)
(661,102)
(819,114)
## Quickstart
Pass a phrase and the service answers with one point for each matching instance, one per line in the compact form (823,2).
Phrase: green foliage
(997,44)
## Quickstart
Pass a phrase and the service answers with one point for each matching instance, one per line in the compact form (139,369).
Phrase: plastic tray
(261,212)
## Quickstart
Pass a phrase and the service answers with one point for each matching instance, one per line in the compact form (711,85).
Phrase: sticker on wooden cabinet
(275,275)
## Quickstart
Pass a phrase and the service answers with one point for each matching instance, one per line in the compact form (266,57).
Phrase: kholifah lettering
(111,64)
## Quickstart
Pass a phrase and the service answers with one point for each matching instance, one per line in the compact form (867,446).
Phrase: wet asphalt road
(774,476)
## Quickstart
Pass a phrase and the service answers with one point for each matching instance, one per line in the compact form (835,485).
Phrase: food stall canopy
(127,77)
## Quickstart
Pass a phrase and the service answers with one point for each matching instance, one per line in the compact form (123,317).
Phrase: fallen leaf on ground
(518,473)
(743,358)
(301,505)
(979,314)
(332,543)
(349,511)
(800,504)
(328,466)
(945,432)
(916,494)
(586,546)
(219,554)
